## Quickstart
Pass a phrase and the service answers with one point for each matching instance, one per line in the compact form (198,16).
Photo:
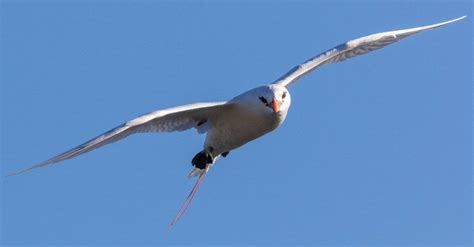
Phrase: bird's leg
(224,154)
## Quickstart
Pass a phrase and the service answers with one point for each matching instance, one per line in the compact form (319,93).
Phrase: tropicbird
(231,124)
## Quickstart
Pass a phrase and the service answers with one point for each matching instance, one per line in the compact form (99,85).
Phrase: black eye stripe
(263,99)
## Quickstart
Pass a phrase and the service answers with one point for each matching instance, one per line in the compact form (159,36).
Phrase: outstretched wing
(198,115)
(353,48)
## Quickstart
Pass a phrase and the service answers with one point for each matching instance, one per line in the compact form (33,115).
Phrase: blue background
(375,150)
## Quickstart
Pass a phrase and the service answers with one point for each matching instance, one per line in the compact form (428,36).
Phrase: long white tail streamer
(189,199)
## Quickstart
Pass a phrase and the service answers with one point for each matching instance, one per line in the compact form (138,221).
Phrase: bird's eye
(263,99)
(283,95)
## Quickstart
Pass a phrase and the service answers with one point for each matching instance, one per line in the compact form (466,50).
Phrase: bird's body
(231,124)
(246,119)
(236,127)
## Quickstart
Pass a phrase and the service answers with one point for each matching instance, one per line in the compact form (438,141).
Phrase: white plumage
(244,118)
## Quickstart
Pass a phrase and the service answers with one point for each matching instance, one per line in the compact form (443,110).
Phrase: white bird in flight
(231,124)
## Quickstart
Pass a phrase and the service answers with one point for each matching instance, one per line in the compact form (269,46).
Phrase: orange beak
(275,105)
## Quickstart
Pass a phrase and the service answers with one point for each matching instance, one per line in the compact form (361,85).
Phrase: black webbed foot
(202,159)
(224,154)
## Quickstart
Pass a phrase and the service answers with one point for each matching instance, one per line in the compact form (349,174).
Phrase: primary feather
(351,49)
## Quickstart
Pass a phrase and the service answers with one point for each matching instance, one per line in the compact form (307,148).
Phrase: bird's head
(276,98)
(271,99)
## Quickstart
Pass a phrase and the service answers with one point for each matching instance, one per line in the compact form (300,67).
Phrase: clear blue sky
(375,150)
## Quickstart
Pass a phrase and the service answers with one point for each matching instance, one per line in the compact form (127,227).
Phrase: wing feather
(172,119)
(351,49)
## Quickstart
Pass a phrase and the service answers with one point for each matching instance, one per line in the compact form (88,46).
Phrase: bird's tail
(190,197)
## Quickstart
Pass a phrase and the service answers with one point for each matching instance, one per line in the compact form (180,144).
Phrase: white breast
(237,126)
